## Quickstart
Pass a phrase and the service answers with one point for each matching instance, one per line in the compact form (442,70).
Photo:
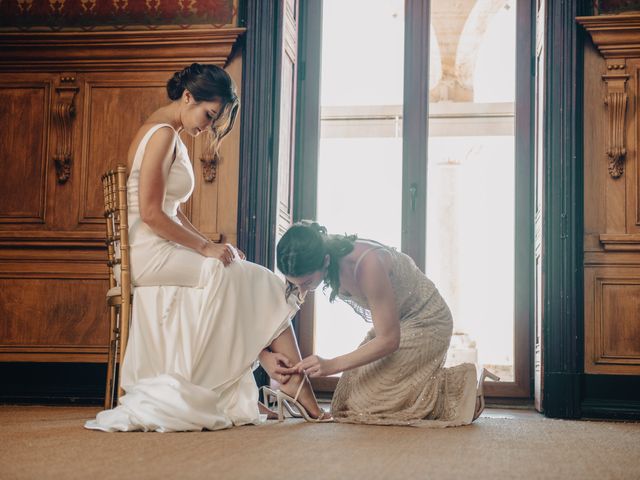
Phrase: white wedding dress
(197,327)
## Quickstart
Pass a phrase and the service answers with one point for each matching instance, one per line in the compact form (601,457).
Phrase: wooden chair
(119,296)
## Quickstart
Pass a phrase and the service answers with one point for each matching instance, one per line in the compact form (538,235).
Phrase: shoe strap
(304,379)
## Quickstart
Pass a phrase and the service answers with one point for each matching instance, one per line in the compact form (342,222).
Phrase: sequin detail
(410,386)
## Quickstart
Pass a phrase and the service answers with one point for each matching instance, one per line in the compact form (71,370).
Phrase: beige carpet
(49,442)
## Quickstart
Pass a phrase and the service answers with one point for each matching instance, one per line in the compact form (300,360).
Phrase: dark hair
(302,250)
(208,83)
(205,82)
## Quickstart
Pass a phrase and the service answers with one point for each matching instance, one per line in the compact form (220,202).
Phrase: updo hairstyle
(302,250)
(208,83)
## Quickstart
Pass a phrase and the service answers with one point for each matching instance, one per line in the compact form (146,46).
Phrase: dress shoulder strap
(376,246)
(143,143)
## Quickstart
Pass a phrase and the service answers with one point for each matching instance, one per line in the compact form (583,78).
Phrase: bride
(201,314)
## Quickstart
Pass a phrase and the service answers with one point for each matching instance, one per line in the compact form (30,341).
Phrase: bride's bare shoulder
(137,138)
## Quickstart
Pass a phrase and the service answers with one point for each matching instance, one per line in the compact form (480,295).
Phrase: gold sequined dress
(410,386)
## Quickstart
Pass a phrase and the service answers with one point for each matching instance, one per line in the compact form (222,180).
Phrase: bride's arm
(187,224)
(378,290)
(154,172)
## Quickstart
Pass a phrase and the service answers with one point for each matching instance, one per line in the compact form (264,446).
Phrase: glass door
(422,147)
(471,177)
(359,187)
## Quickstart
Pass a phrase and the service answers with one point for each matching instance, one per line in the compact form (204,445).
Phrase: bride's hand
(239,252)
(277,365)
(224,253)
(315,366)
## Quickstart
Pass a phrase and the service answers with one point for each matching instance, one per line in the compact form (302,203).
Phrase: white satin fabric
(197,328)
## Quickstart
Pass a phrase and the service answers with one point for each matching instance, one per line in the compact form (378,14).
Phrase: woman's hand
(315,366)
(277,365)
(224,253)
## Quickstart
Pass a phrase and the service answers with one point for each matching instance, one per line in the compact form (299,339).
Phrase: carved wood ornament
(616,102)
(616,38)
(63,114)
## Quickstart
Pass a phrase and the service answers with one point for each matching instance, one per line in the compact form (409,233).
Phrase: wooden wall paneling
(633,171)
(227,178)
(51,310)
(64,117)
(192,145)
(612,197)
(69,116)
(31,302)
(595,216)
(611,253)
(612,321)
(65,162)
(216,192)
(25,111)
(205,193)
(618,43)
(114,107)
(615,189)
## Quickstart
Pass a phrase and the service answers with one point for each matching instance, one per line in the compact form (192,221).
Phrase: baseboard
(610,410)
(611,397)
(37,383)
(562,395)
(52,383)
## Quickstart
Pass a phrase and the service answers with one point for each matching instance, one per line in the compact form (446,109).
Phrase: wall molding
(127,50)
(51,238)
(615,36)
(54,353)
(620,242)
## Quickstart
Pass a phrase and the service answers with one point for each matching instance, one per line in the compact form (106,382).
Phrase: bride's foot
(480,392)
(304,395)
(300,403)
(271,414)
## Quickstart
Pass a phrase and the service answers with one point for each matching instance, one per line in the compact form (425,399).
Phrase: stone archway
(458,26)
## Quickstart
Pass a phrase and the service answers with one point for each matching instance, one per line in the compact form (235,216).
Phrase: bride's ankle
(291,387)
(306,397)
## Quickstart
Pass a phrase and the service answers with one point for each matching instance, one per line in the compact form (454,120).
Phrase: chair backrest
(114,184)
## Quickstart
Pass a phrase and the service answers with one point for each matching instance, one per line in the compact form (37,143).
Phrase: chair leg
(111,360)
(125,315)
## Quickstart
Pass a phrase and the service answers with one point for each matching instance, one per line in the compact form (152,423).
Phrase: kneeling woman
(396,376)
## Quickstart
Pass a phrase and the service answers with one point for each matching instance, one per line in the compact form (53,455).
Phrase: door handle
(413,195)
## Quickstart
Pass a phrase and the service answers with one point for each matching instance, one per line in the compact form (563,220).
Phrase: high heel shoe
(480,391)
(285,401)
